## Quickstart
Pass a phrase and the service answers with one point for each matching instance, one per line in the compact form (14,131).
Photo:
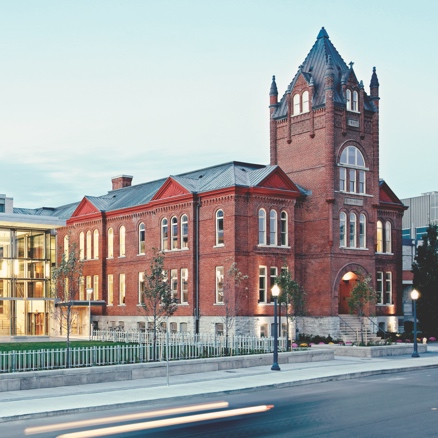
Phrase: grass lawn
(21,346)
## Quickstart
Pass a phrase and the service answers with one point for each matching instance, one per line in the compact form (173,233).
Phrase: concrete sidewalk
(55,401)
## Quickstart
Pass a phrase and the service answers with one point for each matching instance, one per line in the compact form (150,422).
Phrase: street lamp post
(89,294)
(414,296)
(275,292)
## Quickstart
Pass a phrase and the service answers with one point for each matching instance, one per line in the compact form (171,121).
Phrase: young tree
(233,297)
(360,297)
(66,279)
(157,301)
(425,269)
(292,296)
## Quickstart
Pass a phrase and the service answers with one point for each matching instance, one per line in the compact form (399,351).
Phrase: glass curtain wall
(26,258)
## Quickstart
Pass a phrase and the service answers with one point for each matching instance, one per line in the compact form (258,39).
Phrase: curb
(310,381)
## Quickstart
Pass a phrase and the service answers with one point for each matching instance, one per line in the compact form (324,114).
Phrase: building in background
(422,212)
(27,254)
(320,209)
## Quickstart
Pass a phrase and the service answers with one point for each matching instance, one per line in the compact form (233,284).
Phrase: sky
(92,89)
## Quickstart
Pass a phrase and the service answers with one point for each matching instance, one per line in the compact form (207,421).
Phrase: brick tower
(324,133)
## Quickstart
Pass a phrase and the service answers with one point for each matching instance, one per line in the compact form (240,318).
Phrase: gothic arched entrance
(346,285)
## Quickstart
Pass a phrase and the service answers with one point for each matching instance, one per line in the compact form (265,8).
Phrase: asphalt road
(403,405)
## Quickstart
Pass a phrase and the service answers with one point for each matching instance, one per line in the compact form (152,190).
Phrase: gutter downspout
(196,273)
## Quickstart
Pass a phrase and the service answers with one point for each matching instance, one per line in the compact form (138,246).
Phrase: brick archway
(345,281)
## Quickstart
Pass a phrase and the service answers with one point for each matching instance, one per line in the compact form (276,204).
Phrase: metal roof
(231,174)
(314,68)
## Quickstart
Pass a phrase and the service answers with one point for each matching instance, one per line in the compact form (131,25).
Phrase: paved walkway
(54,401)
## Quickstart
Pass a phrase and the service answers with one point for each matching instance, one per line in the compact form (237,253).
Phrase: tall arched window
(283,229)
(362,231)
(110,243)
(164,235)
(141,238)
(95,244)
(174,232)
(352,160)
(355,102)
(388,240)
(379,242)
(305,100)
(219,227)
(184,231)
(88,245)
(348,99)
(262,227)
(273,228)
(296,103)
(122,247)
(342,229)
(81,245)
(353,227)
(66,249)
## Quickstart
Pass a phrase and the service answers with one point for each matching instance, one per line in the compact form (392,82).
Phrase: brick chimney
(121,181)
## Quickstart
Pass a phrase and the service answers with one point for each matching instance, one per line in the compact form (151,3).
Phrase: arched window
(219,227)
(184,231)
(262,227)
(122,241)
(164,235)
(388,242)
(174,232)
(305,99)
(352,160)
(110,243)
(88,245)
(284,229)
(348,99)
(66,249)
(273,228)
(342,228)
(296,102)
(95,244)
(355,102)
(81,245)
(353,227)
(362,231)
(379,240)
(141,238)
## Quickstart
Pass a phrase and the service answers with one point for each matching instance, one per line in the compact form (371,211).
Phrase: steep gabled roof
(387,198)
(314,68)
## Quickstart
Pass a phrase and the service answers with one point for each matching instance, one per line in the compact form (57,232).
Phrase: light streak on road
(167,422)
(129,417)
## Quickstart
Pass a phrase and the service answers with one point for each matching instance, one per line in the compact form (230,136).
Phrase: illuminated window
(122,248)
(110,243)
(89,245)
(96,244)
(219,284)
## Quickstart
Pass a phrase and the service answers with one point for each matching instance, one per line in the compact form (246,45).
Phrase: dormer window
(300,103)
(352,99)
(352,171)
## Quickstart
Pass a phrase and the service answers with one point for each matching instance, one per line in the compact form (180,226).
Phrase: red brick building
(319,207)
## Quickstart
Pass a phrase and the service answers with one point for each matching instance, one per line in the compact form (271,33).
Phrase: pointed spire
(351,63)
(374,81)
(322,34)
(273,91)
